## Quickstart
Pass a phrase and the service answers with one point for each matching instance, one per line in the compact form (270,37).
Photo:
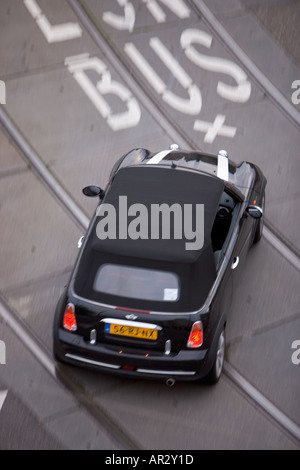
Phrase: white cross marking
(215,128)
(2,398)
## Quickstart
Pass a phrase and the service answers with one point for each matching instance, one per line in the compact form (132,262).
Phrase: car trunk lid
(135,329)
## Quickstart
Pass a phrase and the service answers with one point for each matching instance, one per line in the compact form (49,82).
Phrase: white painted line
(239,93)
(213,129)
(60,32)
(126,119)
(139,93)
(192,105)
(77,59)
(2,398)
(171,62)
(2,352)
(158,157)
(262,401)
(33,8)
(268,86)
(145,68)
(56,33)
(121,23)
(178,7)
(2,92)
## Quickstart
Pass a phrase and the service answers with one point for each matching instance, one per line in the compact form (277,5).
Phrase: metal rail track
(26,334)
(60,373)
(261,80)
(176,134)
(172,128)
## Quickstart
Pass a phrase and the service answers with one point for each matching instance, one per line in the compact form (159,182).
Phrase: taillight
(196,335)
(69,318)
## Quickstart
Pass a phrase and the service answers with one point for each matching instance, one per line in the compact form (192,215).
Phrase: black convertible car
(151,288)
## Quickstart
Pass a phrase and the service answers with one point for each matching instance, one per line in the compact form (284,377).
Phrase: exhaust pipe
(170,382)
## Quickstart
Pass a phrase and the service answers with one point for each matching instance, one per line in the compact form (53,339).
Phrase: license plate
(131,331)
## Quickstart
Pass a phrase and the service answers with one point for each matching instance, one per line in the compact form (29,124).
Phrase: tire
(56,350)
(217,368)
(260,224)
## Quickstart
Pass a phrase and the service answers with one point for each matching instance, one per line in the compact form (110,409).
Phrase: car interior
(224,221)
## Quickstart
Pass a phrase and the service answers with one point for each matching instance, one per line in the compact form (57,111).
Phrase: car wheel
(216,371)
(55,346)
(260,224)
(58,356)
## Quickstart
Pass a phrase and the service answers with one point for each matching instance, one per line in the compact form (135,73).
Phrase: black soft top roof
(156,185)
(153,185)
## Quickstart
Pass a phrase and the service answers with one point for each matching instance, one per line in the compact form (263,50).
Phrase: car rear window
(137,283)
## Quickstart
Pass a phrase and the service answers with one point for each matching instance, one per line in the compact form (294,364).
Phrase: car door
(244,237)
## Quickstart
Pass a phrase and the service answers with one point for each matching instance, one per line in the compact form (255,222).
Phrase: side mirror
(255,211)
(93,191)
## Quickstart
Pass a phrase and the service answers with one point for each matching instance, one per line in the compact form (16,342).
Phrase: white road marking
(268,86)
(2,92)
(193,104)
(178,7)
(2,398)
(239,93)
(125,22)
(77,65)
(56,33)
(2,352)
(139,92)
(141,63)
(169,60)
(215,128)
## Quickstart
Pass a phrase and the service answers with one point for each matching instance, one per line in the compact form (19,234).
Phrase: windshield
(137,283)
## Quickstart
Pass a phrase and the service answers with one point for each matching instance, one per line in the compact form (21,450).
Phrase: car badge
(131,316)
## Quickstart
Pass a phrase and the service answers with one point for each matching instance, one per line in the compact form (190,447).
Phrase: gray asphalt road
(80,110)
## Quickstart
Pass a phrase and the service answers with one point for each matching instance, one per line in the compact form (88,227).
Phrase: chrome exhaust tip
(170,382)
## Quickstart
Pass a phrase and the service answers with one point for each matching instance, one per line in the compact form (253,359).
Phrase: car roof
(239,177)
(156,185)
(164,185)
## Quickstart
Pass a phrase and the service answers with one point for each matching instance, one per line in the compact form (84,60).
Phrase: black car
(152,285)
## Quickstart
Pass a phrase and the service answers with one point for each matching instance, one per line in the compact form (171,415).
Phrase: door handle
(80,242)
(235,262)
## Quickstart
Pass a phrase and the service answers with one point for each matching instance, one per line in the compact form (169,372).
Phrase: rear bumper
(185,365)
